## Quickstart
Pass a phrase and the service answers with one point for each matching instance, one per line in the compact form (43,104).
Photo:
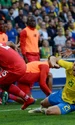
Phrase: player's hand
(53,61)
(12,45)
(66,53)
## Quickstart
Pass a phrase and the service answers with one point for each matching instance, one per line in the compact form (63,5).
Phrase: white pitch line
(8,110)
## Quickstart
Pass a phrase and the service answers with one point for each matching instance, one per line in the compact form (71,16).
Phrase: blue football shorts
(55,98)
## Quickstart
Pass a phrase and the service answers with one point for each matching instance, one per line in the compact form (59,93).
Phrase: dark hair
(68,39)
(10,8)
(49,57)
(29,19)
(26,4)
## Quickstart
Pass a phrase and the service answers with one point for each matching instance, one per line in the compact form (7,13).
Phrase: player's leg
(52,110)
(53,99)
(25,88)
(6,84)
(45,103)
(61,108)
(13,89)
(46,108)
(16,98)
(6,81)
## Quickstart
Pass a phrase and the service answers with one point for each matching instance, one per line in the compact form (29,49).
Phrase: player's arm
(12,45)
(16,40)
(62,63)
(49,81)
(65,64)
(23,36)
(44,70)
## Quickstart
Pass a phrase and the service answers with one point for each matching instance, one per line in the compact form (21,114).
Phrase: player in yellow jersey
(62,101)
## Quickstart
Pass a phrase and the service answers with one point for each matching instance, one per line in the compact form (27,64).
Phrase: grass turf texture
(12,115)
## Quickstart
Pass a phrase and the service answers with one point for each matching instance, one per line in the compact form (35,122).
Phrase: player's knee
(45,103)
(42,103)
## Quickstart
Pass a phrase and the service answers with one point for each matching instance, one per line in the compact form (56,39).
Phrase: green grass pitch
(12,115)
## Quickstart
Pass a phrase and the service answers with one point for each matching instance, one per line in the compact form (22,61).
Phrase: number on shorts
(3,74)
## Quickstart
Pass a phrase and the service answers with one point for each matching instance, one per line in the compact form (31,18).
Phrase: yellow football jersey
(68,93)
